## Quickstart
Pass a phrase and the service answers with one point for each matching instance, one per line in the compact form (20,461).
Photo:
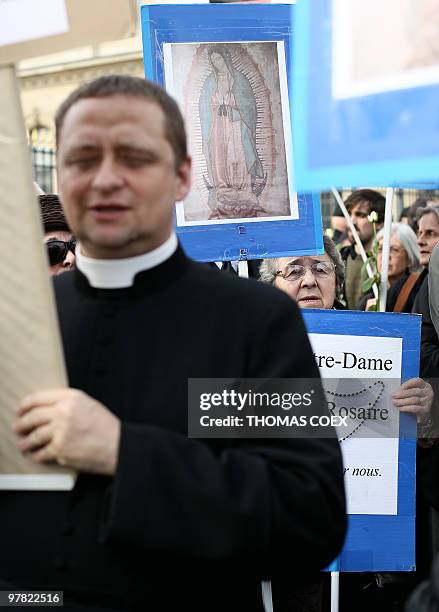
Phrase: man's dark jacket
(429,338)
(428,458)
(185,523)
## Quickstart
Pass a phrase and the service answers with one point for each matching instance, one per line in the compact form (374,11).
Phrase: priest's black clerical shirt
(185,523)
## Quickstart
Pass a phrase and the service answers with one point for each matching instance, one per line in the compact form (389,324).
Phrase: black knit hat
(52,213)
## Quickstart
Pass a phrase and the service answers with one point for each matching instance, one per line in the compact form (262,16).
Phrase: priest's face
(117,177)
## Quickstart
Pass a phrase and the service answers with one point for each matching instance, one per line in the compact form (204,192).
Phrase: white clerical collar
(120,273)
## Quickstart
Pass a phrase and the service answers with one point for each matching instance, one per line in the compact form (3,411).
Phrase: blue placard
(422,186)
(381,542)
(235,23)
(348,130)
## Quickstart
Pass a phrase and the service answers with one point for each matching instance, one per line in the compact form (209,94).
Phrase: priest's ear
(183,183)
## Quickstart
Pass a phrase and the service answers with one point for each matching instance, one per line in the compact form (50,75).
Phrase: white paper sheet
(383,46)
(370,454)
(22,20)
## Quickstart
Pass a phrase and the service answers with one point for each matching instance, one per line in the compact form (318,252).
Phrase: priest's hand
(69,427)
(415,396)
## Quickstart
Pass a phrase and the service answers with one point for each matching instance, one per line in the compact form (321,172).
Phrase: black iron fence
(43,161)
(402,199)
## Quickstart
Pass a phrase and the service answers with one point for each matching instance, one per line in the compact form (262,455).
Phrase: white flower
(373,217)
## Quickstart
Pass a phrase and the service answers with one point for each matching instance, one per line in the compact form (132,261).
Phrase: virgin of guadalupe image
(228,116)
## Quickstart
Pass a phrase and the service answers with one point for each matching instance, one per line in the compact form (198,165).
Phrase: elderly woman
(314,282)
(404,269)
(404,255)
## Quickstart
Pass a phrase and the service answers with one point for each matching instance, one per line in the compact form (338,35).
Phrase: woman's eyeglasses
(57,250)
(294,272)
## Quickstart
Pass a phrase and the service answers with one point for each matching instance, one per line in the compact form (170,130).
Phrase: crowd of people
(158,520)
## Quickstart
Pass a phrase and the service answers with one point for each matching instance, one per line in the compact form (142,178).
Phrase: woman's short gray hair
(269,267)
(407,238)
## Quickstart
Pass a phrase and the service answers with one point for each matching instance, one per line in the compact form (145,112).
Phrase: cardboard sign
(362,356)
(367,86)
(31,356)
(41,27)
(22,20)
(228,66)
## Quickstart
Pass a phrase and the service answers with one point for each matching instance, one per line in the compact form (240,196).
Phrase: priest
(158,520)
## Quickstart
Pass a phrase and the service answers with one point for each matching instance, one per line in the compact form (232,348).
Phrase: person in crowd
(359,205)
(409,214)
(404,270)
(426,596)
(409,294)
(232,267)
(317,282)
(58,238)
(426,304)
(427,502)
(312,281)
(428,238)
(157,519)
(339,228)
(434,288)
(404,267)
(429,305)
(404,255)
(428,231)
